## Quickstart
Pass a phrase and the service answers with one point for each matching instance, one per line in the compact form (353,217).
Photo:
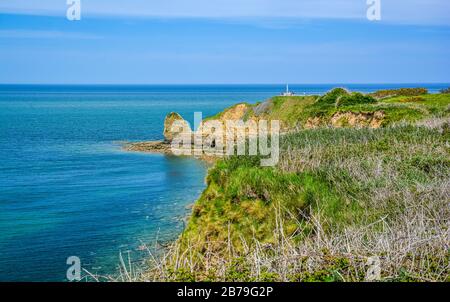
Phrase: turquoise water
(67,188)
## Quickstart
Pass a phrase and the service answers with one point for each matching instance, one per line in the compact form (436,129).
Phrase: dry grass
(412,247)
(396,183)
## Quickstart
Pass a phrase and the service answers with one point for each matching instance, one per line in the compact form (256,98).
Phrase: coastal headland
(360,192)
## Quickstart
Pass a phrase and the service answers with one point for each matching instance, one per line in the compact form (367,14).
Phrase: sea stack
(171,131)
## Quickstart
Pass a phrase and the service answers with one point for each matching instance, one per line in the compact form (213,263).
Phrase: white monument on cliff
(287,92)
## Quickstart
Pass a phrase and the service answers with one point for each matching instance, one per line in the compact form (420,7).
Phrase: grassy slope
(296,110)
(336,197)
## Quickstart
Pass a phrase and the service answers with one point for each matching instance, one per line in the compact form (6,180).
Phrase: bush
(331,96)
(381,94)
(354,99)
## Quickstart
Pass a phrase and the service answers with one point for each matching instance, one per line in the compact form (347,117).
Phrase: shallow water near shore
(68,189)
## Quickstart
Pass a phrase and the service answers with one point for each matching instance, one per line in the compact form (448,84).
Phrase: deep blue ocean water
(67,188)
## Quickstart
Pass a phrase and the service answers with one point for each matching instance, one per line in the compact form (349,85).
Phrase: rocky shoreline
(162,147)
(176,126)
(149,147)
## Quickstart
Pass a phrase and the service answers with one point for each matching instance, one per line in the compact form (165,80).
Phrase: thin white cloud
(396,11)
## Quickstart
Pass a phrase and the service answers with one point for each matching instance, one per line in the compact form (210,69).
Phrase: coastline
(240,196)
(148,147)
(162,147)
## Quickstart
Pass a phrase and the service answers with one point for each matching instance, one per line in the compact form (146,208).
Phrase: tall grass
(336,198)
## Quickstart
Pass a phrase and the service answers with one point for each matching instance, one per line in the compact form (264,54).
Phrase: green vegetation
(355,98)
(446,90)
(297,112)
(399,92)
(336,198)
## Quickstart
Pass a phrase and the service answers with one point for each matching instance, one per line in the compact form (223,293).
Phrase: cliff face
(336,109)
(236,112)
(349,119)
(210,128)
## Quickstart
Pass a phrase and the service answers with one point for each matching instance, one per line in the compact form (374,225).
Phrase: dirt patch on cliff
(235,113)
(313,122)
(349,119)
(358,119)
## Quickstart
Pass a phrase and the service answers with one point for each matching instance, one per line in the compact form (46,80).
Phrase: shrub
(445,91)
(331,96)
(381,94)
(354,99)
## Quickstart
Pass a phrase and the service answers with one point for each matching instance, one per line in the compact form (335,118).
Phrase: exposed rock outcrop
(155,146)
(263,108)
(211,131)
(313,122)
(170,132)
(358,119)
(235,113)
(349,119)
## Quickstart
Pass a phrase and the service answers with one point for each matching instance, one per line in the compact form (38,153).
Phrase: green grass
(338,180)
(336,197)
(244,197)
(295,111)
(437,105)
(289,110)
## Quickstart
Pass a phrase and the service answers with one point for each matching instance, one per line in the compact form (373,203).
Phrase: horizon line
(193,84)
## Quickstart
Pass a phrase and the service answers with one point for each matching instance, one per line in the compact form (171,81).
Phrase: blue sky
(218,41)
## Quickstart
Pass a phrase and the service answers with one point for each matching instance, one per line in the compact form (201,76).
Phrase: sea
(67,188)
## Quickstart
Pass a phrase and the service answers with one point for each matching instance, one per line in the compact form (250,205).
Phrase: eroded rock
(349,119)
(358,119)
(180,128)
